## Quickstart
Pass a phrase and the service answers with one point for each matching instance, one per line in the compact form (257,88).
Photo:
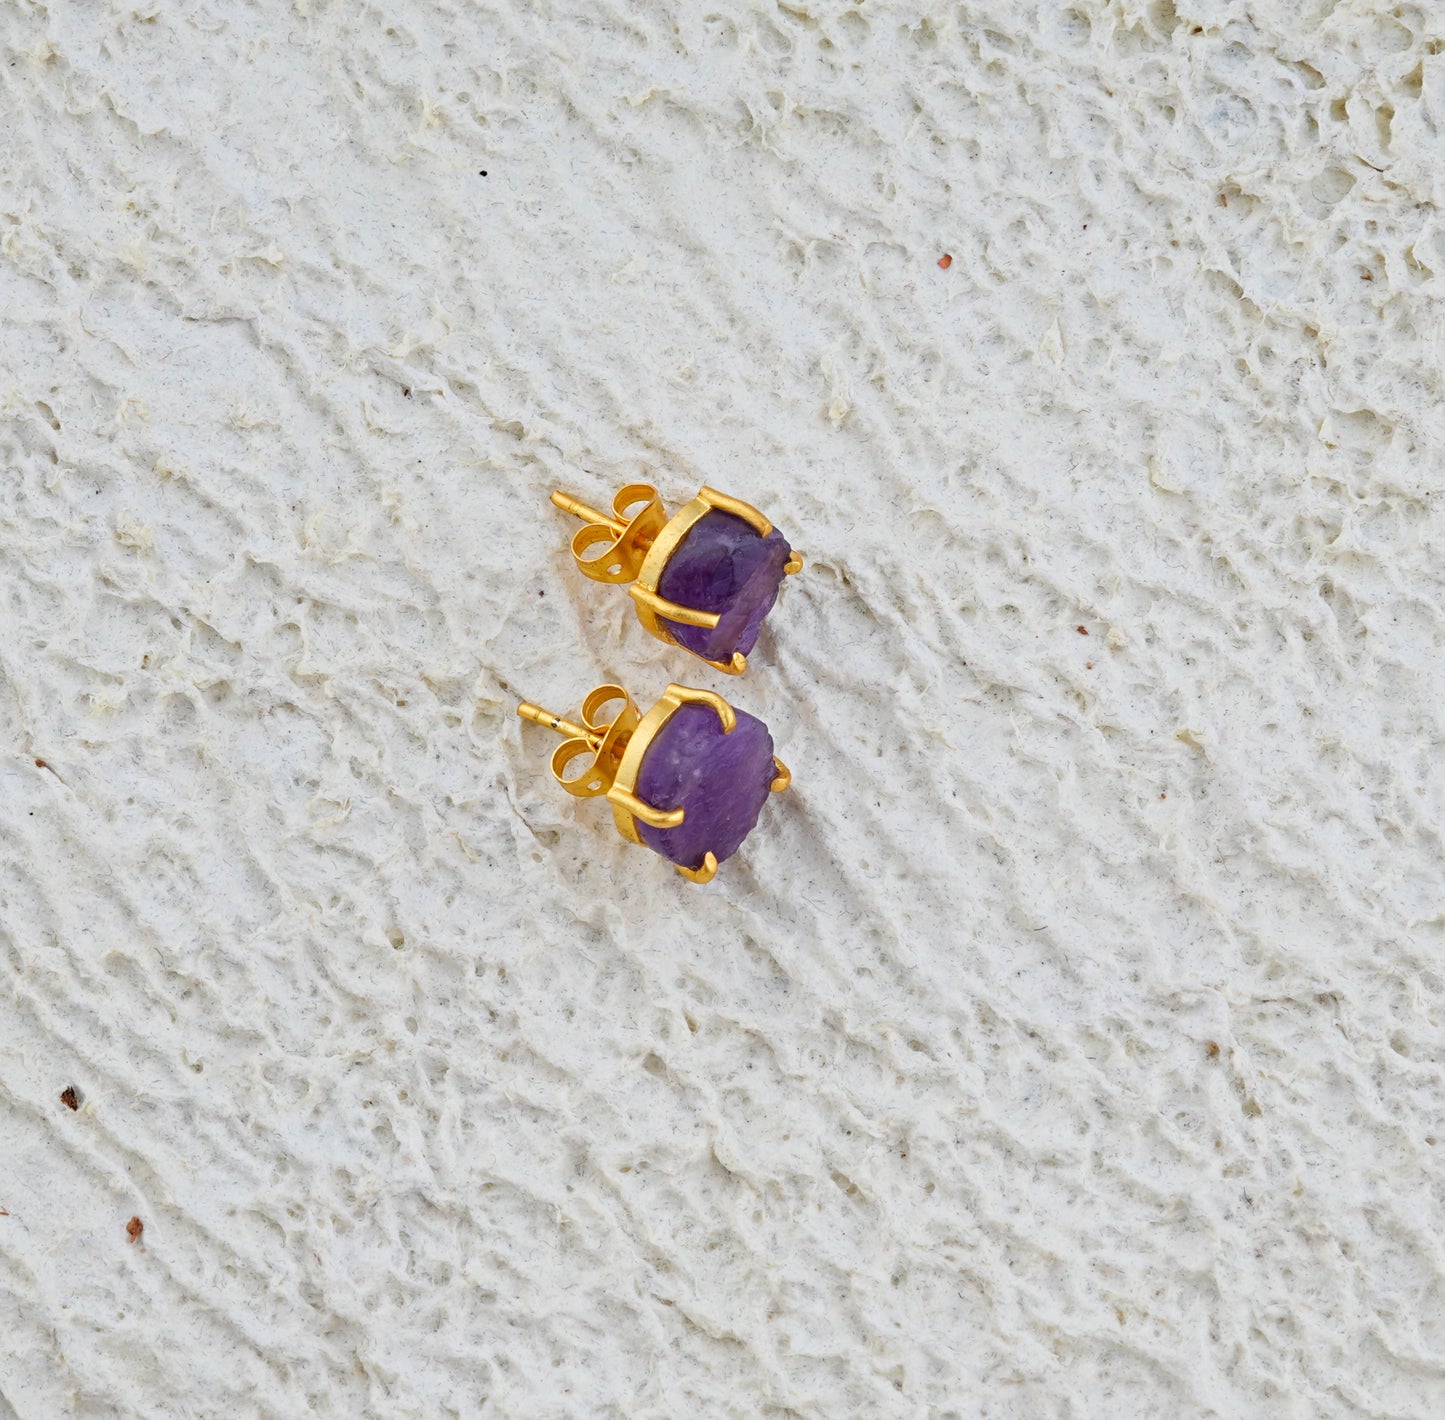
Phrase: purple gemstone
(723,565)
(721,781)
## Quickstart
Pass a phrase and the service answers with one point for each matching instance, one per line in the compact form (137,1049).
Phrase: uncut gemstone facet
(720,780)
(723,565)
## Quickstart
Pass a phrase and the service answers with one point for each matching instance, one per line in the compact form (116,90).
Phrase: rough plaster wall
(1067,1043)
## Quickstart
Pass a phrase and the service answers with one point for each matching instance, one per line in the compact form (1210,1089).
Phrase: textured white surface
(1069,1043)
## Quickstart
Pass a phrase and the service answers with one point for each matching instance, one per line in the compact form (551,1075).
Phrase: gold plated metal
(616,738)
(704,874)
(611,549)
(539,716)
(652,817)
(737,508)
(600,736)
(629,546)
(660,606)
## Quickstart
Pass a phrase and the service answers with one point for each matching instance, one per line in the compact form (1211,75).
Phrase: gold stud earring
(703,579)
(688,779)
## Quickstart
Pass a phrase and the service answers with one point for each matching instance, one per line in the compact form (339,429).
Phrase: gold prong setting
(725,504)
(614,740)
(652,816)
(672,611)
(736,666)
(636,543)
(705,874)
(677,695)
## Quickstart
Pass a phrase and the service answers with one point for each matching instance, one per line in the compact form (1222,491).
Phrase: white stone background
(1068,1043)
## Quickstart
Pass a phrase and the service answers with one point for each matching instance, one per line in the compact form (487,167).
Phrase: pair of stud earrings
(689,778)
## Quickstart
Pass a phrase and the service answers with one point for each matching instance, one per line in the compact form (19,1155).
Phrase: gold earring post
(566,728)
(568,504)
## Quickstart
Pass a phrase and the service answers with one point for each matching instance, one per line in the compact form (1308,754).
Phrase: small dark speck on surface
(1082,630)
(406,392)
(134,1229)
(482,173)
(70,1097)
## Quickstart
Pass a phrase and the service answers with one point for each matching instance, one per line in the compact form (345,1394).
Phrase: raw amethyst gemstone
(721,781)
(723,565)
